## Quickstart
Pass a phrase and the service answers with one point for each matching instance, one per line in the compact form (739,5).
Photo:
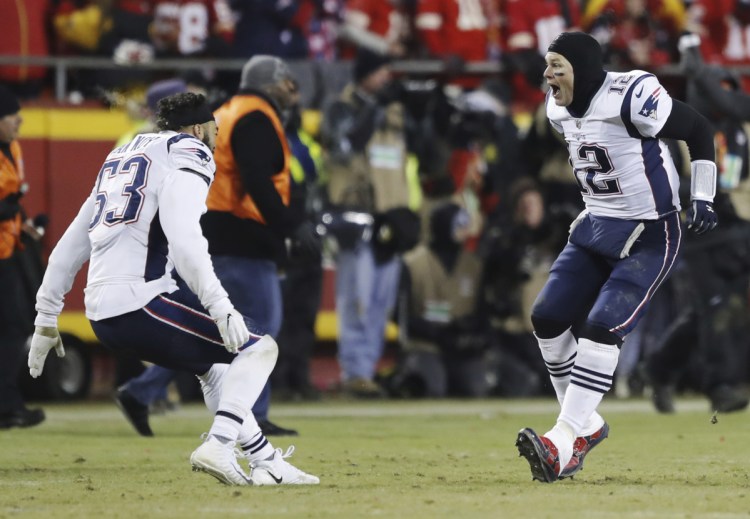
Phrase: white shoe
(277,471)
(217,459)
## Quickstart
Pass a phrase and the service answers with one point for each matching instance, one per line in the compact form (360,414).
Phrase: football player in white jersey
(621,247)
(140,223)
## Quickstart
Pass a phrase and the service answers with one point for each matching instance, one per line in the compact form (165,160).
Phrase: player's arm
(653,113)
(182,201)
(67,258)
(69,255)
(686,124)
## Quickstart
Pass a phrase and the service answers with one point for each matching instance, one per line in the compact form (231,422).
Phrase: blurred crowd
(456,244)
(635,33)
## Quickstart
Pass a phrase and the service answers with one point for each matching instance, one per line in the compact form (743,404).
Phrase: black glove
(9,206)
(701,217)
(306,242)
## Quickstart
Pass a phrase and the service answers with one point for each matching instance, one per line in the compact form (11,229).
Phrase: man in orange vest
(13,412)
(249,219)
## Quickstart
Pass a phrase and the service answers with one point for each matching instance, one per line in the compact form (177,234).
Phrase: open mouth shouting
(559,76)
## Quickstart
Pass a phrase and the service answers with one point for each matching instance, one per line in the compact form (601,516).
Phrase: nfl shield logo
(578,124)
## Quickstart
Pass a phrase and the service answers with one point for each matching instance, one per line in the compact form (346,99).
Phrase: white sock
(253,443)
(562,436)
(241,386)
(590,379)
(559,354)
(211,383)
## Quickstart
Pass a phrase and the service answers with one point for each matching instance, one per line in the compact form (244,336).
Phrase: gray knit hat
(263,71)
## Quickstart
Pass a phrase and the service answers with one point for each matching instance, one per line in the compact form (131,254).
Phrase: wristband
(702,180)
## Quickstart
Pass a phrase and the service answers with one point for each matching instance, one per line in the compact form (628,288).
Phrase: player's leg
(574,282)
(622,302)
(137,394)
(268,465)
(575,279)
(234,391)
(171,333)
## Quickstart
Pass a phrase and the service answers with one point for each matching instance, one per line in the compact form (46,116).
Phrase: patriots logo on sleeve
(650,106)
(204,157)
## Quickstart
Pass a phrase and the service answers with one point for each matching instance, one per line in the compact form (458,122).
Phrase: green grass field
(389,459)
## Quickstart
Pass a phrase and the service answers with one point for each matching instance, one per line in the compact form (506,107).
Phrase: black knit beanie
(8,102)
(585,55)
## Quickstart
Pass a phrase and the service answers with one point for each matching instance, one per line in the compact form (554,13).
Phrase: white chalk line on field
(425,408)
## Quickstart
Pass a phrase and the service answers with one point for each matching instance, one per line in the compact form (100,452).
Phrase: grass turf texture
(389,459)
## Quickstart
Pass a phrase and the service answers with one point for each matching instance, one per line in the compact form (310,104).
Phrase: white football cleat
(278,471)
(217,459)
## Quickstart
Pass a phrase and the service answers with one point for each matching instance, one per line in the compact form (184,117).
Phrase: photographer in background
(706,342)
(367,167)
(302,273)
(15,323)
(444,336)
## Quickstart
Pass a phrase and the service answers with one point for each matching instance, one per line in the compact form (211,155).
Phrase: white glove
(44,339)
(233,330)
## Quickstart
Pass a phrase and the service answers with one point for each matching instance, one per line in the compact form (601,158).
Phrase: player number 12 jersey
(623,170)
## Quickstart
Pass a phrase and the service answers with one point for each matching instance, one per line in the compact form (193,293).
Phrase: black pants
(301,289)
(13,334)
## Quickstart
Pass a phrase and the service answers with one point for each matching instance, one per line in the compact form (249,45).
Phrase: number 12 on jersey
(590,178)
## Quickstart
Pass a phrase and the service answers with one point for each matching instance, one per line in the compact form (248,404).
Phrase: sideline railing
(63,64)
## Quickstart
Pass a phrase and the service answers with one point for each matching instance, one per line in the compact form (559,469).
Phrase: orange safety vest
(11,179)
(227,193)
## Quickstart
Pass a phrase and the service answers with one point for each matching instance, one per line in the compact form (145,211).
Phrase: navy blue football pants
(588,288)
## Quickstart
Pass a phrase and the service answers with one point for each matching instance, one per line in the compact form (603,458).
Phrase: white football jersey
(623,170)
(141,220)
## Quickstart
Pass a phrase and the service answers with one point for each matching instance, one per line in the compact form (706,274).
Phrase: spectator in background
(529,28)
(249,216)
(721,26)
(708,336)
(302,281)
(444,336)
(366,163)
(380,26)
(13,322)
(457,33)
(273,27)
(546,159)
(24,34)
(705,346)
(717,93)
(192,28)
(118,29)
(146,122)
(638,34)
(321,28)
(520,242)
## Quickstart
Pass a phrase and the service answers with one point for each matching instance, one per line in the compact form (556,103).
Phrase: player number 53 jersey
(623,170)
(130,261)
